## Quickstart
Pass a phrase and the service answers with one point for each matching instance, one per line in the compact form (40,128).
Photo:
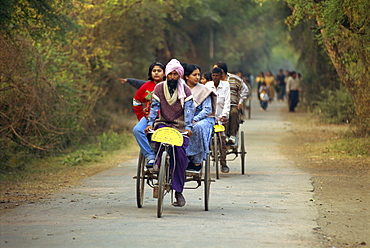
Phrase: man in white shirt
(222,90)
(292,91)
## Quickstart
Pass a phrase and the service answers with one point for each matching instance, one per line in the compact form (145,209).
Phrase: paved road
(269,206)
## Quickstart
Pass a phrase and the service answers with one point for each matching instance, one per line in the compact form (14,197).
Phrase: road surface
(270,206)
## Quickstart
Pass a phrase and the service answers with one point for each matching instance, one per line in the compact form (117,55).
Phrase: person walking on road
(280,80)
(292,90)
(270,82)
(259,80)
(264,96)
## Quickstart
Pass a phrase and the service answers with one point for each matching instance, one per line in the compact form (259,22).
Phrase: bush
(81,156)
(106,142)
(336,106)
(111,141)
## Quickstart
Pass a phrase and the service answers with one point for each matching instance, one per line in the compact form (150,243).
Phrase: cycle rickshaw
(236,149)
(161,180)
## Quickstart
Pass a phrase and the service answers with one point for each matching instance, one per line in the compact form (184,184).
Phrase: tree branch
(25,141)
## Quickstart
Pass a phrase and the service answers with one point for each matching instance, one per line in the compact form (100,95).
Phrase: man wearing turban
(173,100)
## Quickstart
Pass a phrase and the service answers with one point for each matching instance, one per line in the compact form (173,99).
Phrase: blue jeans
(264,104)
(293,100)
(142,139)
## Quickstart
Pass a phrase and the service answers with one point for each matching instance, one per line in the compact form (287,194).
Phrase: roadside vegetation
(83,156)
(41,177)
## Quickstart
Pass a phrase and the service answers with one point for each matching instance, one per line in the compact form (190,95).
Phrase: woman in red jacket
(141,105)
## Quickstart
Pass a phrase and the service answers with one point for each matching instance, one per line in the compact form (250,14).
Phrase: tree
(40,108)
(344,27)
(36,17)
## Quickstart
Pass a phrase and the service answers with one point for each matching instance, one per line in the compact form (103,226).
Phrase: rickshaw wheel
(216,153)
(207,182)
(140,181)
(242,148)
(162,178)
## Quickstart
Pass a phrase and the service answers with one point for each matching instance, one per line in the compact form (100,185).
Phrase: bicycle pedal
(192,173)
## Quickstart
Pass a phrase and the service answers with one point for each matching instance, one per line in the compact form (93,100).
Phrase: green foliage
(36,18)
(106,142)
(352,146)
(12,157)
(82,156)
(336,106)
(110,141)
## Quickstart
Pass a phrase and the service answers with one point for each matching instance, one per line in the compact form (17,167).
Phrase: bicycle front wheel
(162,181)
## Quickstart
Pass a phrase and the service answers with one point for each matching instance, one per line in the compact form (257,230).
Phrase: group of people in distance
(283,85)
(177,96)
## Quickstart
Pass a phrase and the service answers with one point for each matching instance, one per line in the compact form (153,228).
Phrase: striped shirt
(238,89)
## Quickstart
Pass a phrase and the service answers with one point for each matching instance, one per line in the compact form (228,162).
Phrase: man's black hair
(217,70)
(222,65)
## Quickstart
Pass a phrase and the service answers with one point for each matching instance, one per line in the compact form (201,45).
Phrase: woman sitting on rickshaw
(204,101)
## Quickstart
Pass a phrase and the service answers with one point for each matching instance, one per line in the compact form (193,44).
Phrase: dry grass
(340,169)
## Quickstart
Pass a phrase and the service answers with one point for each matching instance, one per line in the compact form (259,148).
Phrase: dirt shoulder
(341,183)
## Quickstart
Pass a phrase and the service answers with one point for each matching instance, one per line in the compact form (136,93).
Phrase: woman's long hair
(151,68)
(189,70)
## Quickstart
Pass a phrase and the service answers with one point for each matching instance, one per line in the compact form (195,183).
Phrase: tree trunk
(359,88)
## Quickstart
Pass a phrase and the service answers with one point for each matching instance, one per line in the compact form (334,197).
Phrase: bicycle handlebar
(183,133)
